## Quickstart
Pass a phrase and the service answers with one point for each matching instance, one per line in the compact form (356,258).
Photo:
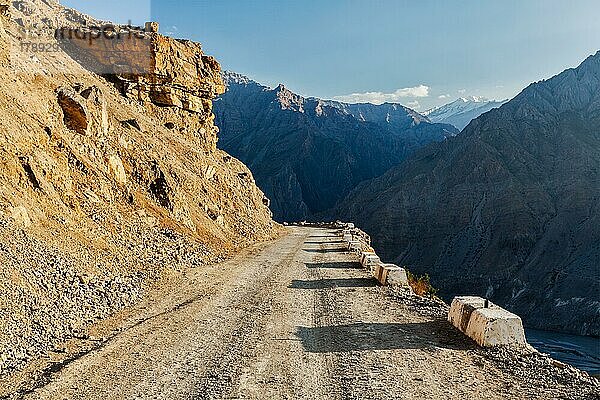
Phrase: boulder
(209,171)
(74,110)
(152,27)
(266,201)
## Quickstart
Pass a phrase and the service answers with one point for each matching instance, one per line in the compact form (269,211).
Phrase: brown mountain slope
(101,192)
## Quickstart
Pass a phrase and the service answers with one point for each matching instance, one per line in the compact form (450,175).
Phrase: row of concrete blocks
(486,323)
(386,274)
(360,239)
(360,243)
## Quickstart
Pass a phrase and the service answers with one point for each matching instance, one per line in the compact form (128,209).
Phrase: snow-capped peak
(462,110)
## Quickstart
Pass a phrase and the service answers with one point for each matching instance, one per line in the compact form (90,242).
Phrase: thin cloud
(415,105)
(443,96)
(380,97)
(462,91)
(172,30)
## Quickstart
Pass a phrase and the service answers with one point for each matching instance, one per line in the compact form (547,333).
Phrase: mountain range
(462,111)
(306,153)
(509,209)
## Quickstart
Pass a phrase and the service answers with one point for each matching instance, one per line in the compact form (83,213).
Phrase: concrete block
(396,275)
(364,255)
(380,273)
(354,245)
(461,310)
(390,274)
(370,262)
(486,323)
(490,327)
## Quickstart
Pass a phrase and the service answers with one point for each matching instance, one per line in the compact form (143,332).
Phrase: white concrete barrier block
(368,258)
(461,310)
(495,326)
(358,246)
(390,274)
(364,255)
(486,323)
(353,245)
(371,262)
(378,273)
(396,276)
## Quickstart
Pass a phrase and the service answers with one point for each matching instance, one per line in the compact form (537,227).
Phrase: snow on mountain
(462,111)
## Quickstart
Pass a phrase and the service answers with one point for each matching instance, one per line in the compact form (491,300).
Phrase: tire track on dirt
(237,345)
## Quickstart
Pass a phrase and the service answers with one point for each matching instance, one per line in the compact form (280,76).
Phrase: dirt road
(294,319)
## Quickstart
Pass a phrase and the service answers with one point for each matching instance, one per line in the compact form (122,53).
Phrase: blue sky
(420,53)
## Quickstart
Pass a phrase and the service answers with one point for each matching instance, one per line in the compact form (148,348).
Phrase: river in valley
(582,352)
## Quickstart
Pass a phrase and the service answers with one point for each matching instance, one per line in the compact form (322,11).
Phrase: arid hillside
(106,182)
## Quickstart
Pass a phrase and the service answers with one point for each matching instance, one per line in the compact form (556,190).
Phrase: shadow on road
(332,283)
(334,265)
(336,250)
(327,242)
(381,336)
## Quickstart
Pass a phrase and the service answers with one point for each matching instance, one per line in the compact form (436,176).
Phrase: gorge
(508,209)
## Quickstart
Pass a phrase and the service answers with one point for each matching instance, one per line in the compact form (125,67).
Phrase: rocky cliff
(105,182)
(307,153)
(509,209)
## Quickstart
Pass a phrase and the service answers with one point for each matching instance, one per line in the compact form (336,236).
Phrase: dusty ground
(293,319)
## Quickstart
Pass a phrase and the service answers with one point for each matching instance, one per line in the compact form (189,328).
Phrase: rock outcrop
(103,189)
(306,153)
(508,210)
(84,109)
(148,66)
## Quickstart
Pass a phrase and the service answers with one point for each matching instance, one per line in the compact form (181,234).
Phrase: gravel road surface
(293,319)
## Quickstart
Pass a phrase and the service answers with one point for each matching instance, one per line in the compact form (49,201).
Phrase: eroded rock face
(4,14)
(148,66)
